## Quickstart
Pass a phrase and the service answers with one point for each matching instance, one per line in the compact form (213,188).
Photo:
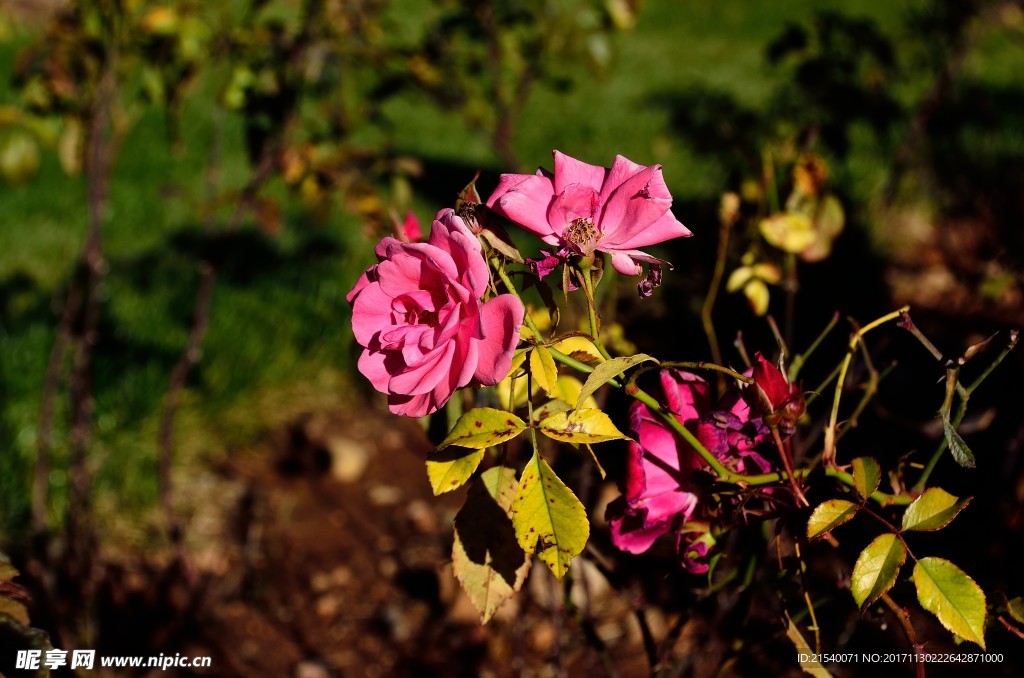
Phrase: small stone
(349,458)
(311,669)
(385,495)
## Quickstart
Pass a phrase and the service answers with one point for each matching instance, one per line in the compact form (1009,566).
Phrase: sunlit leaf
(544,371)
(607,371)
(486,556)
(876,569)
(803,649)
(758,296)
(483,427)
(829,515)
(827,218)
(866,476)
(450,468)
(788,231)
(580,348)
(548,518)
(933,510)
(954,598)
(738,278)
(1015,606)
(957,446)
(580,426)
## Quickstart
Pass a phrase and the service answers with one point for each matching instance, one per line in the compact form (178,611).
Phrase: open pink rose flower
(659,492)
(424,329)
(583,208)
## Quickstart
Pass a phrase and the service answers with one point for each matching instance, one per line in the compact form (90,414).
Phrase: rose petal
(422,378)
(575,202)
(569,170)
(500,320)
(525,201)
(371,312)
(625,265)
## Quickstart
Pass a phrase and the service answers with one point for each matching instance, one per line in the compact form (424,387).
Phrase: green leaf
(933,510)
(607,371)
(866,476)
(876,568)
(545,373)
(486,556)
(830,515)
(1015,607)
(803,648)
(449,469)
(580,426)
(548,518)
(483,427)
(957,446)
(959,604)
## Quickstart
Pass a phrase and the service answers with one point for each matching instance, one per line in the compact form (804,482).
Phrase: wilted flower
(582,208)
(419,316)
(659,493)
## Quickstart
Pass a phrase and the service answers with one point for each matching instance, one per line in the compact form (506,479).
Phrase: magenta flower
(583,208)
(419,316)
(659,493)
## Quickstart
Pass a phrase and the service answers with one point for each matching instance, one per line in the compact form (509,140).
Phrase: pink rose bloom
(419,316)
(659,494)
(583,208)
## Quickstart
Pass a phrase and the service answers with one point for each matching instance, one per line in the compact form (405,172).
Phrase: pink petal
(630,535)
(525,202)
(575,202)
(500,319)
(450,233)
(569,170)
(422,378)
(635,205)
(373,366)
(371,313)
(624,264)
(412,406)
(363,281)
(665,228)
(622,169)
(688,396)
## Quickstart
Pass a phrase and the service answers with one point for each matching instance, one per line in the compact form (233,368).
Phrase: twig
(51,383)
(903,618)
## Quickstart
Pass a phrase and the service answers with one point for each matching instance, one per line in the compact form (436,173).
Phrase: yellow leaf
(581,348)
(789,232)
(544,371)
(758,296)
(580,426)
(548,518)
(483,427)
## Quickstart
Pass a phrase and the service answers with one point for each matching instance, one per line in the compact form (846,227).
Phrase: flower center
(581,235)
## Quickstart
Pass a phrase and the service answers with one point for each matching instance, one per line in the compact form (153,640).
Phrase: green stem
(704,365)
(595,324)
(712,296)
(800,359)
(830,431)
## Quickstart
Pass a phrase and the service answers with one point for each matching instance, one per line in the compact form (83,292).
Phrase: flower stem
(829,455)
